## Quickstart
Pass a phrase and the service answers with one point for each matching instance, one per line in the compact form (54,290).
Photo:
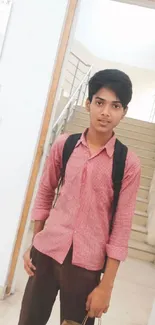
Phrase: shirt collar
(109,147)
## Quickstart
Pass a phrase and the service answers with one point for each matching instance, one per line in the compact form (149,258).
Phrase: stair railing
(76,99)
(75,71)
(152,113)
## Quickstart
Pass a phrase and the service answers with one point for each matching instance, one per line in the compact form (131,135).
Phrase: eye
(99,103)
(116,106)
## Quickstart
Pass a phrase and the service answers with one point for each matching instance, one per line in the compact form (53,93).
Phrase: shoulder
(60,140)
(58,145)
(133,164)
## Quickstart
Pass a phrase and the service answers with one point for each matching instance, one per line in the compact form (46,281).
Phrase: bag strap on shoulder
(119,159)
(67,150)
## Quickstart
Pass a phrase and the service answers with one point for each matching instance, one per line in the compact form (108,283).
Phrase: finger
(88,303)
(105,310)
(28,270)
(99,314)
(31,266)
(91,314)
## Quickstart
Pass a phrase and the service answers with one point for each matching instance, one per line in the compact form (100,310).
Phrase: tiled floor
(131,302)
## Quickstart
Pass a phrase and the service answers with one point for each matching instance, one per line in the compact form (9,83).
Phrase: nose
(105,110)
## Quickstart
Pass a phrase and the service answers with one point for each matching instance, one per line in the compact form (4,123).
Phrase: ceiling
(118,32)
(144,3)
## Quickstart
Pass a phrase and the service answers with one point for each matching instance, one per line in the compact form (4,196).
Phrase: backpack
(119,159)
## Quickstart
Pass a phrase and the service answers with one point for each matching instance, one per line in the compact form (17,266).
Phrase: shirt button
(75,232)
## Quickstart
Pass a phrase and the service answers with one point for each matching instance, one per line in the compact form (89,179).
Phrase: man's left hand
(98,301)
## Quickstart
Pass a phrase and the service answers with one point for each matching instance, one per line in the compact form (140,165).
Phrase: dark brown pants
(74,283)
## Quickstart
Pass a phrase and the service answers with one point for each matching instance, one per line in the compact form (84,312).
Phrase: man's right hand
(28,266)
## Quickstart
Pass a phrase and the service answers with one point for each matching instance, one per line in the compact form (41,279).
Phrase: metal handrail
(87,65)
(152,113)
(69,108)
(75,65)
(79,66)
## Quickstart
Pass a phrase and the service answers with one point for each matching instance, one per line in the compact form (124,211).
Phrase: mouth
(103,122)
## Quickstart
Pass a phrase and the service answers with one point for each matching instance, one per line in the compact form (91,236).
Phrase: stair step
(147,171)
(140,218)
(143,192)
(138,129)
(145,181)
(138,228)
(147,126)
(131,141)
(144,124)
(74,128)
(142,152)
(141,204)
(141,251)
(139,233)
(147,161)
(134,134)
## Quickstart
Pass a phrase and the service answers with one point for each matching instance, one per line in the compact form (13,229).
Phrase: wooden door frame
(63,44)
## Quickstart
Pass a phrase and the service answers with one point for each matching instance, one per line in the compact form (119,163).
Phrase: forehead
(106,94)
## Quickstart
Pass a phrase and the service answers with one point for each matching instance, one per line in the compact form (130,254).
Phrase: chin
(103,130)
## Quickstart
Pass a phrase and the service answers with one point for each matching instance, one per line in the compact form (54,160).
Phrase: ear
(124,112)
(88,105)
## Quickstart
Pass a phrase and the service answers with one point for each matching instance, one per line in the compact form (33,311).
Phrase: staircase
(139,136)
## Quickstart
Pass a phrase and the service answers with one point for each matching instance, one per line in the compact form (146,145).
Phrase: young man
(72,239)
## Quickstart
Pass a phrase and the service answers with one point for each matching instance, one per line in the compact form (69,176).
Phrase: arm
(99,299)
(45,195)
(28,264)
(117,248)
(48,183)
(38,226)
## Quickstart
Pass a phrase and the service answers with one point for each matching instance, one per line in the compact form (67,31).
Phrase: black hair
(113,79)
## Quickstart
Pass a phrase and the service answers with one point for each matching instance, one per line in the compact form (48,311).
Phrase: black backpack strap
(119,159)
(67,151)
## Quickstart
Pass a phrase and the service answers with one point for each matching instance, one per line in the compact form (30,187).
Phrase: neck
(98,139)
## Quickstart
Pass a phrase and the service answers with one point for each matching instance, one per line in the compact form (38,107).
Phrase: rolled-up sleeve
(117,248)
(49,181)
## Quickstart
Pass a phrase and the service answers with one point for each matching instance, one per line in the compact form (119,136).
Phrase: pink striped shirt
(83,210)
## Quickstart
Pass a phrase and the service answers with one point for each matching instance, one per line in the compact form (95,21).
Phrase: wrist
(30,247)
(106,285)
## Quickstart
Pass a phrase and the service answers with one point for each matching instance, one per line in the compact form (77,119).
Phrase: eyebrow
(114,101)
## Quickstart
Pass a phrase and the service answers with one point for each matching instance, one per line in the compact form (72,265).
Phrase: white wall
(152,316)
(25,73)
(143,81)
